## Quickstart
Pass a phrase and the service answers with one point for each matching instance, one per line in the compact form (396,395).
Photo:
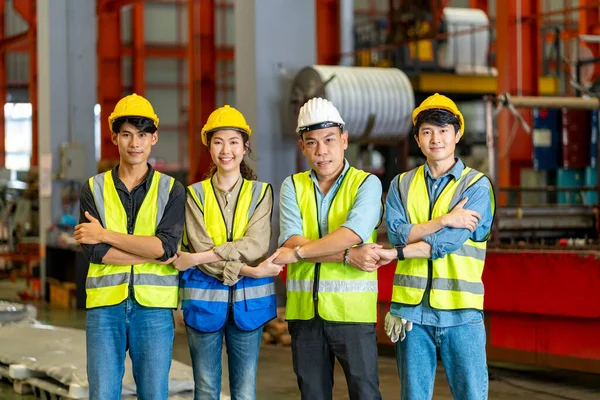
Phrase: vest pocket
(257,293)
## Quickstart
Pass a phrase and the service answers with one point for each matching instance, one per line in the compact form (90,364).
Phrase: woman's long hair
(245,170)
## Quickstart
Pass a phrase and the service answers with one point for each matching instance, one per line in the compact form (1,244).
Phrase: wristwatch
(400,250)
(297,254)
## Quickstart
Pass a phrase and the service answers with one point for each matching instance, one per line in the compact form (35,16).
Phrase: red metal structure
(202,81)
(589,24)
(110,87)
(328,31)
(514,145)
(542,308)
(201,70)
(23,42)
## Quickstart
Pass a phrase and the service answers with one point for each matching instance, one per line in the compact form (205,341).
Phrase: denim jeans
(462,350)
(146,332)
(242,358)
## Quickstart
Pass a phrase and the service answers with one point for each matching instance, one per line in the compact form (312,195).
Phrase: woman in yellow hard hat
(227,291)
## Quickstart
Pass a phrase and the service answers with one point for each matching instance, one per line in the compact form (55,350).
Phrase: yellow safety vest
(206,300)
(454,280)
(251,194)
(343,293)
(155,285)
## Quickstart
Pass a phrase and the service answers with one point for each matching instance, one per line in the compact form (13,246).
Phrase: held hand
(461,218)
(89,232)
(386,256)
(286,256)
(166,262)
(364,258)
(268,267)
(396,328)
(183,261)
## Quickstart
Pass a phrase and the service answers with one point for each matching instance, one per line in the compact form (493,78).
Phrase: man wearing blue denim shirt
(326,214)
(453,322)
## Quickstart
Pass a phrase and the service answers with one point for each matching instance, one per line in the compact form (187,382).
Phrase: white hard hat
(318,113)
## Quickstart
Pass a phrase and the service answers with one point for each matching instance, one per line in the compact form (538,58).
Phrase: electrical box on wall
(72,162)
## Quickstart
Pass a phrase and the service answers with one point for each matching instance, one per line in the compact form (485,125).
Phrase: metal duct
(375,103)
(346,31)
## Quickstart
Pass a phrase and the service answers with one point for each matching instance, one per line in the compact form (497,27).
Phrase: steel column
(328,31)
(202,69)
(67,95)
(110,87)
(518,55)
(589,22)
(27,10)
(2,86)
(480,4)
(137,27)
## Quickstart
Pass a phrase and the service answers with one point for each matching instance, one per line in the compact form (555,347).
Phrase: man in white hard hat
(328,220)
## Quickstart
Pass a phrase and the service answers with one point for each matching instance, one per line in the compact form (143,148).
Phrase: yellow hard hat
(225,117)
(438,101)
(133,106)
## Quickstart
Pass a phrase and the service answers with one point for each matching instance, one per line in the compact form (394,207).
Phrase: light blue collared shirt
(362,219)
(442,242)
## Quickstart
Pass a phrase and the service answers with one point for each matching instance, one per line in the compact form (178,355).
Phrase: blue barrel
(546,138)
(569,178)
(590,178)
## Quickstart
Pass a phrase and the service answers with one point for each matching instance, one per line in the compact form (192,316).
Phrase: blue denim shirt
(362,219)
(442,242)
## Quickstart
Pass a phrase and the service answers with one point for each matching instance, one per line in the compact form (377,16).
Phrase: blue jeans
(462,350)
(242,357)
(146,332)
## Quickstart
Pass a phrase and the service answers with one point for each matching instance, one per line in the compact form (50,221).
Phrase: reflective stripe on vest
(344,293)
(456,278)
(154,285)
(205,298)
(223,294)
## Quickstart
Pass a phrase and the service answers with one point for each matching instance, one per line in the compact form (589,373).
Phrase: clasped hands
(367,257)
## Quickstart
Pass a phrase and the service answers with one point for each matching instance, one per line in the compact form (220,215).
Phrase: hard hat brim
(320,125)
(461,121)
(224,128)
(112,119)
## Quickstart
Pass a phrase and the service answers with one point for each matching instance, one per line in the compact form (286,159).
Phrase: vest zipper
(230,239)
(316,285)
(430,261)
(130,231)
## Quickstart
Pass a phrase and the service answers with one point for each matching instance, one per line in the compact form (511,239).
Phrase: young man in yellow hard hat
(439,217)
(130,226)
(331,283)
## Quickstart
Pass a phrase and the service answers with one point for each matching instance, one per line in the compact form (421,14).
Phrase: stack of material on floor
(15,312)
(51,359)
(276,331)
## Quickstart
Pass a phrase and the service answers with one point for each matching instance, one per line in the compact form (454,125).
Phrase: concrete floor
(276,379)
